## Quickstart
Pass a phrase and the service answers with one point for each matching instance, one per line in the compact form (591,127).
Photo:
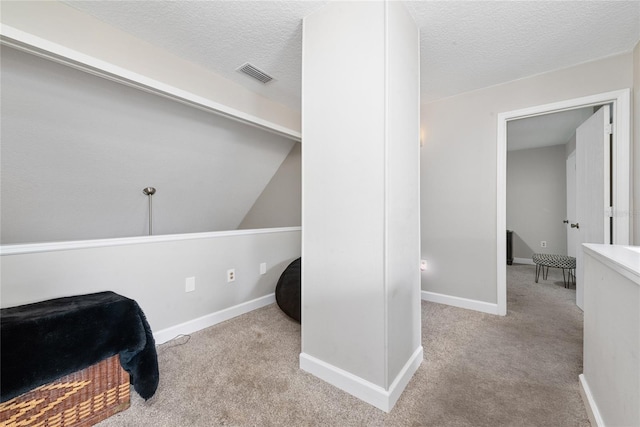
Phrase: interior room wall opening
(603,182)
(539,200)
(541,197)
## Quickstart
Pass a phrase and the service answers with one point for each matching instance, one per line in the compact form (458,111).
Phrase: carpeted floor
(478,370)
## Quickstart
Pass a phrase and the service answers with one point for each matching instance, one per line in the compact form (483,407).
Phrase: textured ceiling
(221,36)
(474,44)
(465,45)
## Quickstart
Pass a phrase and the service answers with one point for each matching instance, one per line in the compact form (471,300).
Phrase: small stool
(544,261)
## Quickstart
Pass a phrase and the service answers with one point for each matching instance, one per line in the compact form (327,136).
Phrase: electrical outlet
(543,244)
(263,268)
(231,275)
(190,284)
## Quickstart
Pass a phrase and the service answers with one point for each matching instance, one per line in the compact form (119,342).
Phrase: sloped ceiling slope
(465,45)
(77,150)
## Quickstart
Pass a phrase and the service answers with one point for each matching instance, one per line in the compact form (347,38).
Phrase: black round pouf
(288,294)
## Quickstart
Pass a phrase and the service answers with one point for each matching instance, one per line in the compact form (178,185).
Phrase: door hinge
(609,129)
(609,212)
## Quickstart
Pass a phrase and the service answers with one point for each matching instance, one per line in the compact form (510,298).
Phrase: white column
(360,166)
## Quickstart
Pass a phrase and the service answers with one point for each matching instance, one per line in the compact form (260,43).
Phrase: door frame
(621,108)
(568,217)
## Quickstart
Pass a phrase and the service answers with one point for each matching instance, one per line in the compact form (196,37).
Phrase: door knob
(566,221)
(576,225)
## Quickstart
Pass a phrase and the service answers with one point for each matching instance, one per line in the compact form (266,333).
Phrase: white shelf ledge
(21,40)
(623,259)
(30,248)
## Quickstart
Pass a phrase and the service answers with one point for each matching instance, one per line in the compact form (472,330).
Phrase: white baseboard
(404,376)
(360,388)
(589,403)
(527,261)
(469,304)
(211,319)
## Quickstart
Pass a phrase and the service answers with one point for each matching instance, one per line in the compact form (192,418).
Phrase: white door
(593,191)
(572,233)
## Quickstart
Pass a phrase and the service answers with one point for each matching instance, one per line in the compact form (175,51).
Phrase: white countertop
(624,259)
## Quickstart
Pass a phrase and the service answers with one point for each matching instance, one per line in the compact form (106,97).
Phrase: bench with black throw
(44,341)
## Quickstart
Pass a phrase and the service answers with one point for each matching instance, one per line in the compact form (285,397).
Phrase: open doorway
(620,161)
(540,157)
(537,192)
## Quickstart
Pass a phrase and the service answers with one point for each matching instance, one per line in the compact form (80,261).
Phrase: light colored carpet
(479,370)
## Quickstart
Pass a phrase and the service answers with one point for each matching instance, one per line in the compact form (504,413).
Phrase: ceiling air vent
(254,72)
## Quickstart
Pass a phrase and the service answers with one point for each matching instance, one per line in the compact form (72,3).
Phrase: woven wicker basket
(83,398)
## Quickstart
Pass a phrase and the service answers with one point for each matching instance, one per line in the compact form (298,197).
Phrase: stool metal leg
(537,272)
(564,280)
(545,272)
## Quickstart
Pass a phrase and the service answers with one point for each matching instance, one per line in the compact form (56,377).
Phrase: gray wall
(537,200)
(279,204)
(154,273)
(459,175)
(77,150)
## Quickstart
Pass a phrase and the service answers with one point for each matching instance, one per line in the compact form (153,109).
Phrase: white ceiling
(545,130)
(465,45)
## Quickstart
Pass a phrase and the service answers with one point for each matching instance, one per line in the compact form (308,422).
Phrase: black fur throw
(44,341)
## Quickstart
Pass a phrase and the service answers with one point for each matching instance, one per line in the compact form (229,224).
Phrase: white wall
(70,28)
(402,192)
(279,205)
(612,334)
(342,258)
(154,273)
(458,170)
(360,289)
(570,146)
(636,146)
(77,150)
(537,200)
